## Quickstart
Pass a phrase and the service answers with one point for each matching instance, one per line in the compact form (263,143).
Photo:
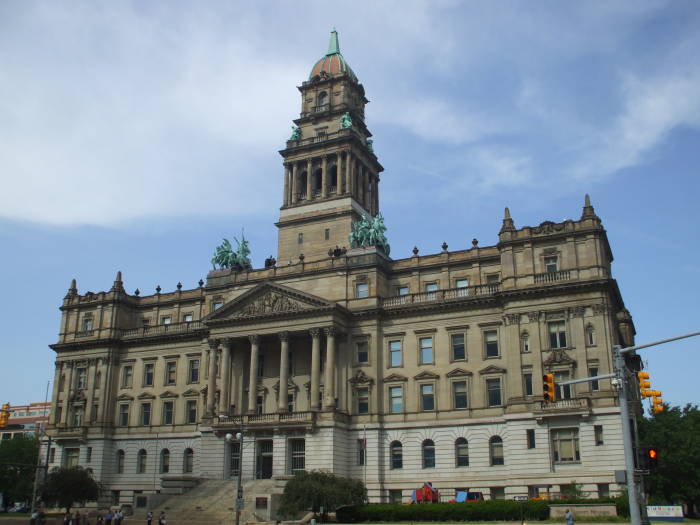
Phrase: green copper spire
(333,45)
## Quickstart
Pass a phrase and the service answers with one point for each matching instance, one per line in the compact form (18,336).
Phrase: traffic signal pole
(622,376)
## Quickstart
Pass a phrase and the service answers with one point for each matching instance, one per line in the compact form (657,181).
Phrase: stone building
(396,371)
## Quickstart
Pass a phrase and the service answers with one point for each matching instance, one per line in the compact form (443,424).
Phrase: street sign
(240,503)
(519,498)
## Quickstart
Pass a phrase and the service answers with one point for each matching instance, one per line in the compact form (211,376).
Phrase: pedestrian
(569,517)
(76,518)
(108,517)
(119,517)
(66,518)
(149,517)
(100,520)
(161,518)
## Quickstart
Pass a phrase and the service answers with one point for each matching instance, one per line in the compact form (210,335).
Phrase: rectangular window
(52,455)
(462,286)
(431,290)
(590,336)
(170,372)
(598,432)
(167,320)
(235,457)
(557,334)
(459,351)
(127,376)
(260,405)
(362,352)
(492,278)
(327,233)
(290,403)
(297,453)
(395,354)
(88,455)
(402,290)
(427,397)
(300,238)
(168,409)
(530,438)
(593,372)
(193,376)
(191,408)
(360,452)
(563,391)
(459,394)
(124,415)
(603,490)
(87,324)
(71,457)
(491,343)
(565,445)
(361,290)
(217,305)
(527,383)
(187,318)
(396,399)
(261,365)
(145,414)
(493,389)
(362,400)
(81,379)
(148,369)
(550,264)
(426,350)
(395,496)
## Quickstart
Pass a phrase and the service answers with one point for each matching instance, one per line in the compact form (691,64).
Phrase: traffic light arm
(586,379)
(647,345)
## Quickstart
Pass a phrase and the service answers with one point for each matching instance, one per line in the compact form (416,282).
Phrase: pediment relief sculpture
(167,394)
(190,393)
(559,357)
(427,375)
(393,378)
(458,372)
(125,397)
(291,385)
(146,395)
(360,378)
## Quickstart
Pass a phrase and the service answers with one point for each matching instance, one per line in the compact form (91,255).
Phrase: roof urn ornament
(201,283)
(415,251)
(179,286)
(137,292)
(475,243)
(73,290)
(444,247)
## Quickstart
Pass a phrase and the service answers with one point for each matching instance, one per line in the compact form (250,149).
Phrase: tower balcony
(274,420)
(451,294)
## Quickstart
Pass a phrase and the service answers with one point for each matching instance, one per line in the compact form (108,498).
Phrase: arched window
(428,449)
(317,180)
(333,179)
(120,462)
(590,335)
(525,342)
(322,99)
(164,461)
(496,450)
(141,461)
(188,461)
(396,454)
(461,452)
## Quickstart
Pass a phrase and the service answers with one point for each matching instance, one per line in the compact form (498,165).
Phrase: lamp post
(239,490)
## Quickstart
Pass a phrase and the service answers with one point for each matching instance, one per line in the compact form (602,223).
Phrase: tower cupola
(333,64)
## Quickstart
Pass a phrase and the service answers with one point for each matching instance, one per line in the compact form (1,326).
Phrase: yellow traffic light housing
(657,409)
(549,388)
(644,382)
(4,414)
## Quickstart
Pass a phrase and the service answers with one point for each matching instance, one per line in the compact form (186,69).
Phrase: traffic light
(4,414)
(652,457)
(549,388)
(657,405)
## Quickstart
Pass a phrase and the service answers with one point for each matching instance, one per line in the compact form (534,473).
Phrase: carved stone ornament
(190,393)
(492,369)
(393,378)
(426,375)
(548,227)
(458,372)
(599,309)
(509,319)
(533,317)
(167,394)
(360,378)
(146,395)
(559,357)
(291,385)
(577,311)
(269,303)
(556,316)
(125,397)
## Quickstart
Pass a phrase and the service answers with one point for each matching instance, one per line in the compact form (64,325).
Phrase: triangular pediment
(426,375)
(146,395)
(167,394)
(125,397)
(559,357)
(268,300)
(492,369)
(360,378)
(393,378)
(458,372)
(190,393)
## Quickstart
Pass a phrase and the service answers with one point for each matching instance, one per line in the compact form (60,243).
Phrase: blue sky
(134,136)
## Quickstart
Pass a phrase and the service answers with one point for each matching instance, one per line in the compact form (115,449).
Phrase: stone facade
(394,371)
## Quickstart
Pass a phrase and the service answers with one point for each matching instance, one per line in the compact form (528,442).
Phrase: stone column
(104,390)
(66,392)
(315,367)
(211,386)
(54,394)
(284,371)
(351,174)
(324,177)
(285,200)
(329,381)
(91,373)
(309,177)
(295,174)
(253,379)
(225,400)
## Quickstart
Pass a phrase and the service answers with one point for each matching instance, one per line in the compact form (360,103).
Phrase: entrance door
(263,463)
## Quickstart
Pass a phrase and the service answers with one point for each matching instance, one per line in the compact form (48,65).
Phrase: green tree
(675,432)
(316,489)
(66,486)
(18,458)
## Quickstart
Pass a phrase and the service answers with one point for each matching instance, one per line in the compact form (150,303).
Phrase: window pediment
(291,385)
(125,397)
(395,378)
(492,369)
(190,393)
(360,378)
(146,395)
(167,394)
(427,375)
(459,372)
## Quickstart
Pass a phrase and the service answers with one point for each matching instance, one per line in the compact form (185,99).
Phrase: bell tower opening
(331,174)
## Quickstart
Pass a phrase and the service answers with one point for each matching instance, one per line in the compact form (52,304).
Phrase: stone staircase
(212,503)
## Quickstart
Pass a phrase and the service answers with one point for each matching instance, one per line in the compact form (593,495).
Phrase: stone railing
(162,329)
(274,418)
(577,403)
(441,295)
(85,333)
(319,138)
(552,277)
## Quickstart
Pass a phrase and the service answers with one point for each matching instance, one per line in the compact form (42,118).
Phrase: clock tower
(331,174)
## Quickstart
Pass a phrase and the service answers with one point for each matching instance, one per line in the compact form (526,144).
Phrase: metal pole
(239,490)
(662,341)
(42,433)
(620,367)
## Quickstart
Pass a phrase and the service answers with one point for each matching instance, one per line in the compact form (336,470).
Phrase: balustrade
(551,277)
(442,295)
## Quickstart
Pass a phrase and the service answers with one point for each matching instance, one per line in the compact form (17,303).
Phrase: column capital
(227,342)
(330,331)
(214,343)
(284,336)
(254,339)
(315,332)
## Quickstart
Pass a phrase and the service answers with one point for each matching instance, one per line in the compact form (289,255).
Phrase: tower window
(300,238)
(327,233)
